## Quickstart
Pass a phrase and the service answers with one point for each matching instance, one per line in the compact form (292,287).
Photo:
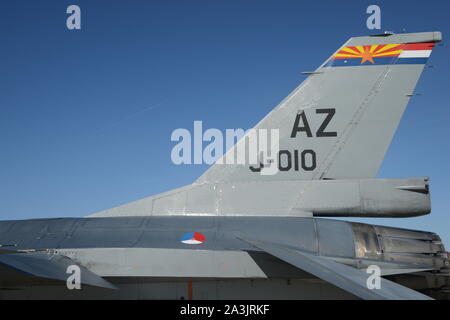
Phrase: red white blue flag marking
(366,55)
(193,238)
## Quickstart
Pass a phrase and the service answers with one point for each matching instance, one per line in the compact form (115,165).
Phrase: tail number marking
(301,124)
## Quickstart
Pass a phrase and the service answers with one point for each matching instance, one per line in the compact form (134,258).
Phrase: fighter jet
(239,232)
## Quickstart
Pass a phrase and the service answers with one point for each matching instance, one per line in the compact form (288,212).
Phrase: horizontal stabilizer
(50,266)
(347,278)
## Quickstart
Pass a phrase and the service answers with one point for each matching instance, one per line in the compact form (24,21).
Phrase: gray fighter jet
(237,233)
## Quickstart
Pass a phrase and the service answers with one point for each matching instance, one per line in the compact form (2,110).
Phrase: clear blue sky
(86,116)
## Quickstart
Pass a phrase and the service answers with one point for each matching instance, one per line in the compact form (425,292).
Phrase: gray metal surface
(369,103)
(352,114)
(347,278)
(50,266)
(151,247)
(329,198)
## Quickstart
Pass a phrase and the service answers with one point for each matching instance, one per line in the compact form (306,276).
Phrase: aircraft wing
(347,278)
(50,266)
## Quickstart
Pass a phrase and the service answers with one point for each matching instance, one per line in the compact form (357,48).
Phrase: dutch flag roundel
(193,238)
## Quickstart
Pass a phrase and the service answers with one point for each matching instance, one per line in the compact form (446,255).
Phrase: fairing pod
(396,198)
(294,198)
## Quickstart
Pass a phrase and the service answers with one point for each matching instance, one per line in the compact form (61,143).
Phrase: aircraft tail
(339,122)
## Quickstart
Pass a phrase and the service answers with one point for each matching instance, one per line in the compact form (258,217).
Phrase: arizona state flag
(413,53)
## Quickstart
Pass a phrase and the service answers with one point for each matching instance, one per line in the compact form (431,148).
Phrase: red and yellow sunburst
(367,53)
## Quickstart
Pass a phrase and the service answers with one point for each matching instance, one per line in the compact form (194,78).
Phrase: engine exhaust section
(402,246)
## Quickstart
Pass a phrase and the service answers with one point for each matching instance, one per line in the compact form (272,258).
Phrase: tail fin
(340,121)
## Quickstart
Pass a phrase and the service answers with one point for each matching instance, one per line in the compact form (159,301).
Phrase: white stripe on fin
(415,54)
